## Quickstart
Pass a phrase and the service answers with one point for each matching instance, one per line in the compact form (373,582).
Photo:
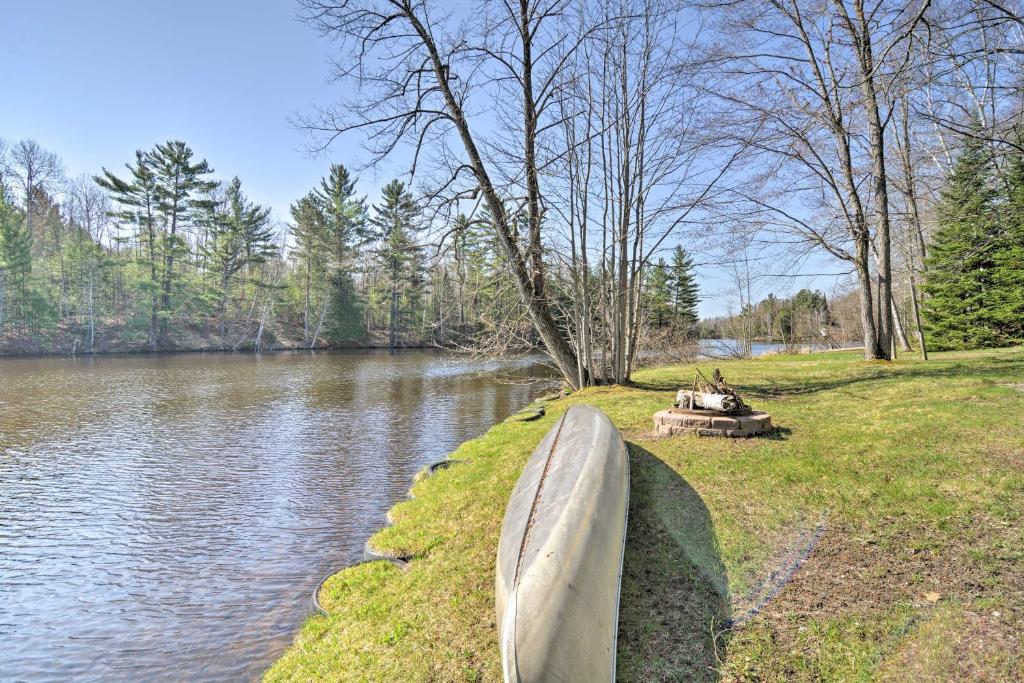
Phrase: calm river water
(165,518)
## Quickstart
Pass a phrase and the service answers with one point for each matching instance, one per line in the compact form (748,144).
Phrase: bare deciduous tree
(36,170)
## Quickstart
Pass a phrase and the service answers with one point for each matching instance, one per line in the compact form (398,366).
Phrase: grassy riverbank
(906,479)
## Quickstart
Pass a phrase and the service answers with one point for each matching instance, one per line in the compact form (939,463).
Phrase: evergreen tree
(310,231)
(959,306)
(15,262)
(345,231)
(181,193)
(477,261)
(809,314)
(395,222)
(240,236)
(136,198)
(461,237)
(659,294)
(344,215)
(685,291)
(773,322)
(1007,300)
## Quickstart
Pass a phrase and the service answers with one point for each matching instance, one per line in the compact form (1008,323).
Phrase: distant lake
(166,518)
(726,347)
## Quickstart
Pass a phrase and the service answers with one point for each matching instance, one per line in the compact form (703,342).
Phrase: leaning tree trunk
(555,342)
(897,325)
(917,315)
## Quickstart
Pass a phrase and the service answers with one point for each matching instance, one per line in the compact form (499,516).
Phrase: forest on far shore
(165,255)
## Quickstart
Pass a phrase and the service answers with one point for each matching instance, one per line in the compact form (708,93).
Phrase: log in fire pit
(711,408)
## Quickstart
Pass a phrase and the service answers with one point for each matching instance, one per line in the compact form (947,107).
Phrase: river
(166,518)
(729,348)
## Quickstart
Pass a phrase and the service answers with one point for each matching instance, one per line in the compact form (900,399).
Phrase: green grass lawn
(901,483)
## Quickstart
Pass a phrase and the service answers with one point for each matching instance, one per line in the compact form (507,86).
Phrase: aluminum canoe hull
(559,564)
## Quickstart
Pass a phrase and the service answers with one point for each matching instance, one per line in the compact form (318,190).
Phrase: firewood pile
(710,407)
(711,394)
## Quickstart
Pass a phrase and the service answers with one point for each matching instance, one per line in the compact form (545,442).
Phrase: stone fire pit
(711,423)
(711,408)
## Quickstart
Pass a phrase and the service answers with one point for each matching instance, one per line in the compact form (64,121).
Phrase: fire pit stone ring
(711,423)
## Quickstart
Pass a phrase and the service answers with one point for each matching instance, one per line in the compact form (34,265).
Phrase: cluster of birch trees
(596,133)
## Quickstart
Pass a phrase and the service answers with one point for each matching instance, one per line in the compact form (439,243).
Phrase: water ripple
(166,518)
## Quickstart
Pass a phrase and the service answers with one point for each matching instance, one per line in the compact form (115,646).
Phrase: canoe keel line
(559,564)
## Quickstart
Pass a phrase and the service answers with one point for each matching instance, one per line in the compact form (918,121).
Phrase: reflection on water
(167,517)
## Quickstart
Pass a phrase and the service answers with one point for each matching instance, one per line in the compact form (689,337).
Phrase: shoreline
(792,349)
(213,350)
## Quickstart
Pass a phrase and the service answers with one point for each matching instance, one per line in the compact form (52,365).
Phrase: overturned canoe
(560,554)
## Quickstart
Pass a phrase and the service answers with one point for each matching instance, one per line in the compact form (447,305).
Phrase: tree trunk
(305,306)
(867,313)
(393,321)
(876,137)
(319,325)
(165,297)
(910,181)
(154,304)
(917,316)
(621,308)
(59,245)
(92,316)
(3,291)
(258,341)
(555,343)
(901,333)
(223,307)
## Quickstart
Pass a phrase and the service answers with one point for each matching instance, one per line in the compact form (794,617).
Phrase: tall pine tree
(659,294)
(685,291)
(310,232)
(958,308)
(395,223)
(136,198)
(345,232)
(1007,300)
(182,191)
(240,237)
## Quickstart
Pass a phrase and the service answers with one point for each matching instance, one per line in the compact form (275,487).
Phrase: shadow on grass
(675,600)
(959,368)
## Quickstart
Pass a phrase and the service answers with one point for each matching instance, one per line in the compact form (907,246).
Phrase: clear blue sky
(94,80)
